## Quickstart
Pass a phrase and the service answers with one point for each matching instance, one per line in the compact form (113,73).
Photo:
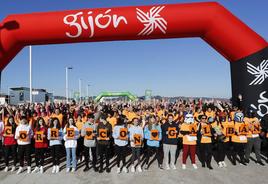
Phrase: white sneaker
(172,166)
(195,166)
(167,167)
(146,167)
(79,160)
(54,169)
(67,170)
(41,170)
(224,164)
(183,166)
(132,169)
(13,169)
(139,168)
(125,170)
(57,169)
(36,169)
(118,171)
(28,170)
(20,170)
(6,169)
(220,165)
(73,170)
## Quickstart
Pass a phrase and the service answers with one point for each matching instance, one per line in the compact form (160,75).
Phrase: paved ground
(239,174)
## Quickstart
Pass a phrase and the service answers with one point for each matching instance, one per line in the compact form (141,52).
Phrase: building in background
(20,95)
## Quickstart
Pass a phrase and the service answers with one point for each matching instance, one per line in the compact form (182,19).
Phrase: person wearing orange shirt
(131,114)
(223,130)
(112,119)
(232,113)
(188,133)
(125,111)
(239,139)
(45,117)
(58,115)
(210,113)
(253,137)
(204,134)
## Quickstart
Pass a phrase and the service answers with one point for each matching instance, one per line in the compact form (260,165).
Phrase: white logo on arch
(260,72)
(152,20)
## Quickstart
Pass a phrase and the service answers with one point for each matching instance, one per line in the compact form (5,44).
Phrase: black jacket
(165,138)
(108,127)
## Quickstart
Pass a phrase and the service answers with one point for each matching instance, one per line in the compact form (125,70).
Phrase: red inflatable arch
(245,49)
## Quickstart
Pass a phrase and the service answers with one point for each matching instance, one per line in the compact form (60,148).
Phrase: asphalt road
(239,174)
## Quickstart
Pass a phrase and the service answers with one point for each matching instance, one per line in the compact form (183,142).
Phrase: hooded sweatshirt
(88,143)
(28,129)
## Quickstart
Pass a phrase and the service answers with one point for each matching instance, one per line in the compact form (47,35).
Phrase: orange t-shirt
(59,116)
(241,136)
(187,139)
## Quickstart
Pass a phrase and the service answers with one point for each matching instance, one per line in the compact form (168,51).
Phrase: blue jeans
(71,158)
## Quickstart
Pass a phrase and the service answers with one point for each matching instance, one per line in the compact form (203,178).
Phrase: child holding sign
(40,145)
(23,135)
(55,136)
(71,134)
(136,138)
(10,143)
(89,133)
(153,135)
(120,135)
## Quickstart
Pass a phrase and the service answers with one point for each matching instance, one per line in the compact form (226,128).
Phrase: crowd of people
(91,134)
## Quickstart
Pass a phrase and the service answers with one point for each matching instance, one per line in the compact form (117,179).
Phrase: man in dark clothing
(104,135)
(170,132)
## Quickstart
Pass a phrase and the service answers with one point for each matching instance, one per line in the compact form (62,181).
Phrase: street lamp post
(66,82)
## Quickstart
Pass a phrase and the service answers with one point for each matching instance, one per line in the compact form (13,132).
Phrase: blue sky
(171,67)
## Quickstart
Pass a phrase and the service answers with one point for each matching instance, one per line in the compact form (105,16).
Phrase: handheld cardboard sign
(89,134)
(243,129)
(193,129)
(230,130)
(23,136)
(70,133)
(54,133)
(123,134)
(137,140)
(102,134)
(39,136)
(206,130)
(155,135)
(172,134)
(8,131)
